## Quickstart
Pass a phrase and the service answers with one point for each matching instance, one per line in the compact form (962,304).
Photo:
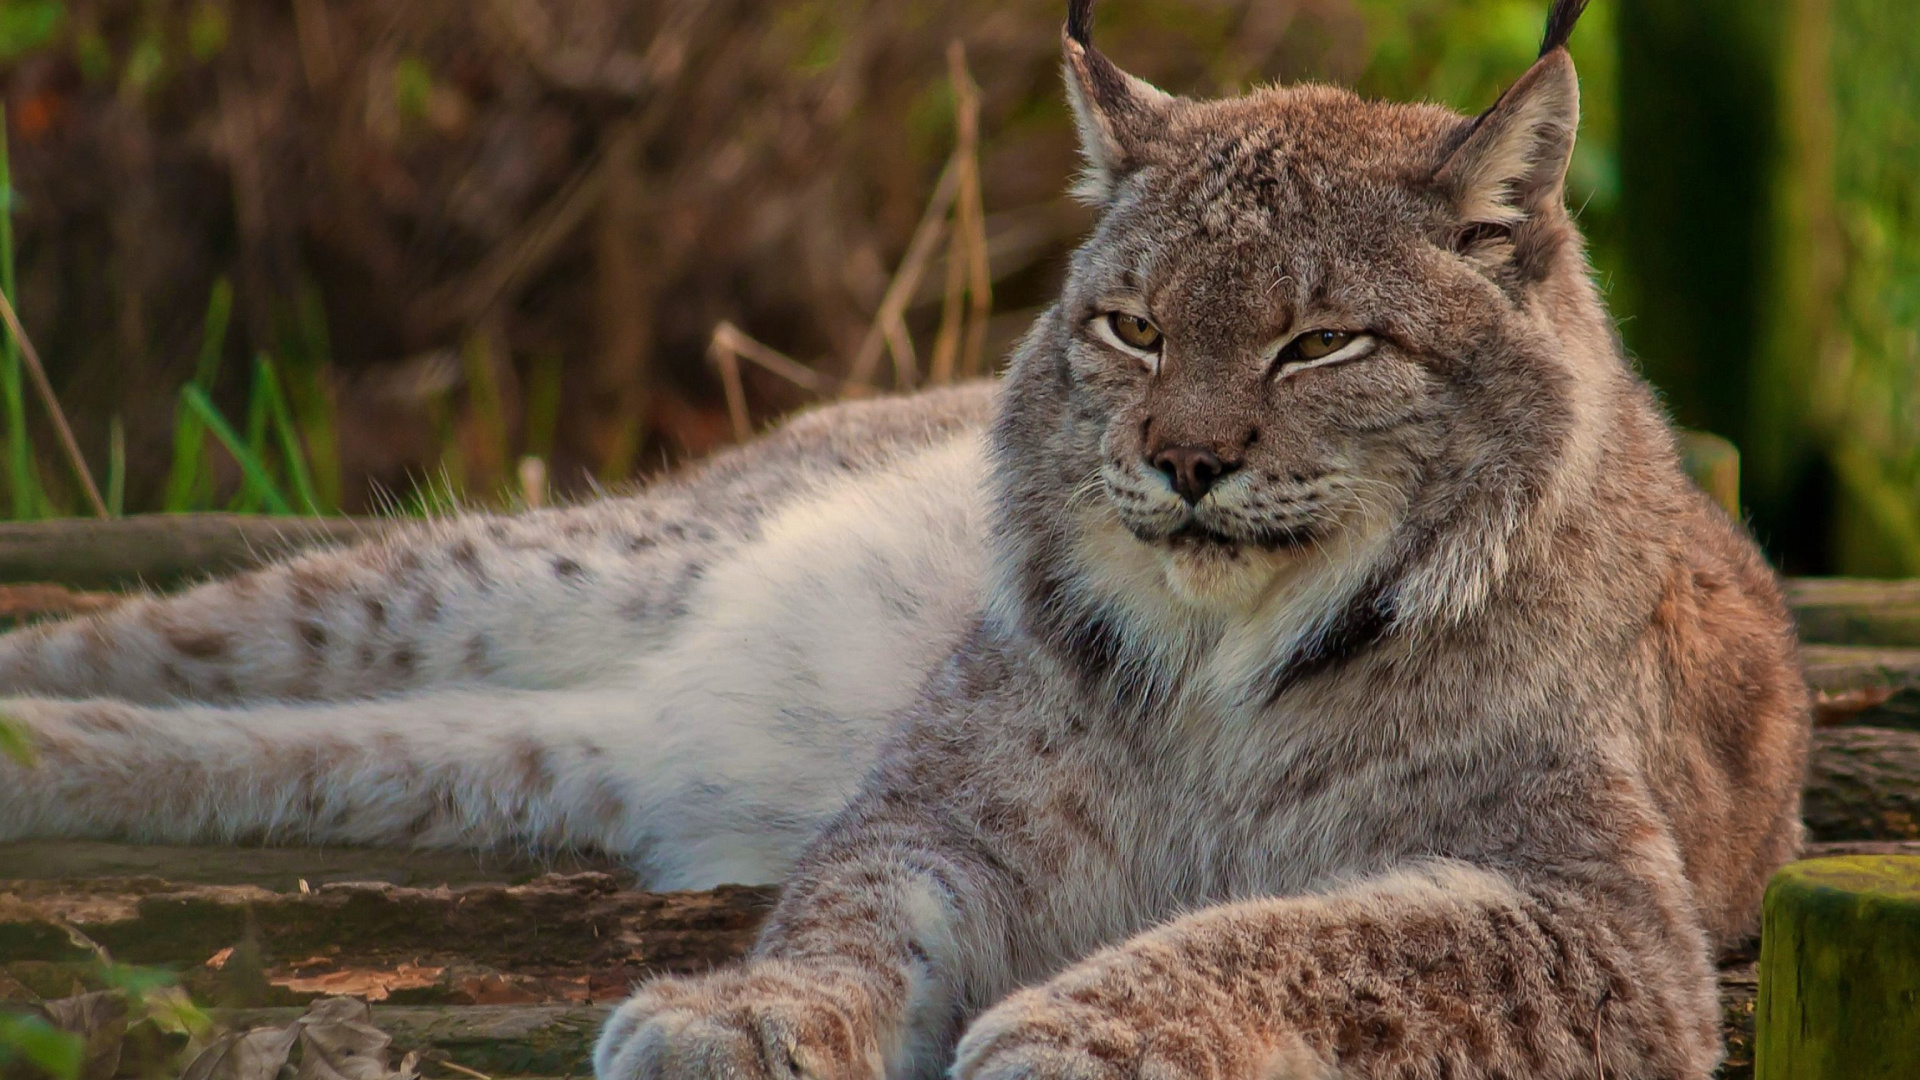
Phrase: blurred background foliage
(293,255)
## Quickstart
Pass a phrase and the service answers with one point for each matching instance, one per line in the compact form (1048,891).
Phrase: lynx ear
(1512,166)
(1115,112)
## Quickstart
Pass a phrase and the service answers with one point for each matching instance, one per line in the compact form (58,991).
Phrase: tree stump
(1840,970)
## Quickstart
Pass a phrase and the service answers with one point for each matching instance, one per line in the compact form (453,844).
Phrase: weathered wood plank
(1840,668)
(282,869)
(579,922)
(1856,611)
(1864,784)
(161,549)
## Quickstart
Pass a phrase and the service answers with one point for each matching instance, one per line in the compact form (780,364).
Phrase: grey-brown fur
(1449,735)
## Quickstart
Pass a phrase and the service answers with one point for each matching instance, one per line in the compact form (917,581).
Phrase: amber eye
(1316,344)
(1134,331)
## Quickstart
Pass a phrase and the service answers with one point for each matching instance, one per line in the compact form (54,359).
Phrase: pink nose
(1193,470)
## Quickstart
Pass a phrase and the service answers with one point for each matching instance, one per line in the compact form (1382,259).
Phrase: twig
(946,342)
(40,383)
(970,212)
(533,482)
(893,305)
(771,359)
(728,361)
(906,365)
(463,1070)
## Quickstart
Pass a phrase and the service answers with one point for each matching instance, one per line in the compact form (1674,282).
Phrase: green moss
(1840,970)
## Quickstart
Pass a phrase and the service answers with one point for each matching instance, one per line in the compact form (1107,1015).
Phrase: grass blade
(259,419)
(25,480)
(188,485)
(267,388)
(256,474)
(116,468)
(213,335)
(51,402)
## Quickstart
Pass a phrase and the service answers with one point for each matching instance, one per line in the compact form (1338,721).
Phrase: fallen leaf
(373,984)
(219,960)
(173,1012)
(100,1019)
(1835,707)
(246,1055)
(339,1042)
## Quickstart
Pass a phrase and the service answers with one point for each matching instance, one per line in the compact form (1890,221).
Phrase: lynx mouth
(1195,537)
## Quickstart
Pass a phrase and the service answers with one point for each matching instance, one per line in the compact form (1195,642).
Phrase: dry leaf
(373,984)
(1834,707)
(101,1019)
(339,1042)
(219,960)
(248,1055)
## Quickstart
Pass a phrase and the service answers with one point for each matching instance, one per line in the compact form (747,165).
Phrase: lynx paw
(764,1022)
(1075,1030)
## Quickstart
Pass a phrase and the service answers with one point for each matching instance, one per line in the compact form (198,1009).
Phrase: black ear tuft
(1560,20)
(1080,21)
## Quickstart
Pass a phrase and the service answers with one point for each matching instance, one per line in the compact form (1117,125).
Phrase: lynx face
(1309,330)
(1245,334)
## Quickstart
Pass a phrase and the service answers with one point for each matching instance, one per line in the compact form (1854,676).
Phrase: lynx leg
(1446,971)
(497,769)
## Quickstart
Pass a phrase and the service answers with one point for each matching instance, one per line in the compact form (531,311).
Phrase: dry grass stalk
(728,336)
(47,398)
(34,600)
(721,352)
(315,34)
(889,323)
(533,482)
(968,278)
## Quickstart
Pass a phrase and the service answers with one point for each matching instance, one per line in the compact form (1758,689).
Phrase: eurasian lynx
(1318,665)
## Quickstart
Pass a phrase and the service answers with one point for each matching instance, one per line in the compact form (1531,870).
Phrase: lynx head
(1318,351)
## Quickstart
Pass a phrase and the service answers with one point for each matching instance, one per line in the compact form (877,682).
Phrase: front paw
(1102,1027)
(763,1022)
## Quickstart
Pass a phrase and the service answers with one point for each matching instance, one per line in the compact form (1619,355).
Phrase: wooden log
(1840,971)
(559,921)
(1863,784)
(1856,611)
(1836,669)
(282,869)
(162,549)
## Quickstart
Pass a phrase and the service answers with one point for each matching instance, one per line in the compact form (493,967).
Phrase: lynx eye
(1134,332)
(1317,344)
(1317,348)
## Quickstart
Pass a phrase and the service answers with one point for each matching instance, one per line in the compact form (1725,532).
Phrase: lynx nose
(1193,470)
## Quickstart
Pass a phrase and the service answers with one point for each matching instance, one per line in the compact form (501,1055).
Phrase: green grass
(22,477)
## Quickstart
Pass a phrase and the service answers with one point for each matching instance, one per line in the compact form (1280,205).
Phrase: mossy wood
(1840,971)
(1714,464)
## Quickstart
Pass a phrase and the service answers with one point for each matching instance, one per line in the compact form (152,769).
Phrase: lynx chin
(1309,660)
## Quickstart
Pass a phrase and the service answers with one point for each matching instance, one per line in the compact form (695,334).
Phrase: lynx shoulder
(1308,660)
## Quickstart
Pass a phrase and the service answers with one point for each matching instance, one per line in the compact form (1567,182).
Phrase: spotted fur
(1448,732)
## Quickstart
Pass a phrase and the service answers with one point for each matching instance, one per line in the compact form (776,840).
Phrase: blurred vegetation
(326,253)
(1840,402)
(1770,228)
(337,255)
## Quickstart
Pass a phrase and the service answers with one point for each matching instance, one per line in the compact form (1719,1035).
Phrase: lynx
(1309,660)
